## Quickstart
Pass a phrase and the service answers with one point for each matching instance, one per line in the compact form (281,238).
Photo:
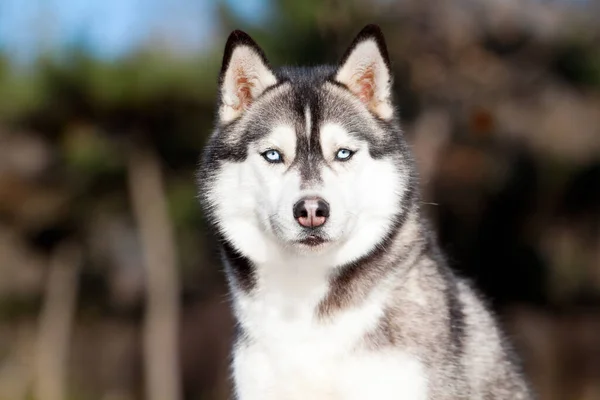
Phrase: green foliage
(183,205)
(19,91)
(86,150)
(79,86)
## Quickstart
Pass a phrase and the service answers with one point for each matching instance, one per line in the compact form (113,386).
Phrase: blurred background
(109,284)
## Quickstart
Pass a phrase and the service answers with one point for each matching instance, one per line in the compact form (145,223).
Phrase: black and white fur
(364,306)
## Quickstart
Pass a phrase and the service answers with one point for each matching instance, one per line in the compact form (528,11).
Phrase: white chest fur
(302,373)
(292,356)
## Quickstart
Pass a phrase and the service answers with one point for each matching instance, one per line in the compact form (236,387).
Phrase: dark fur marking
(240,336)
(240,270)
(347,282)
(309,157)
(456,316)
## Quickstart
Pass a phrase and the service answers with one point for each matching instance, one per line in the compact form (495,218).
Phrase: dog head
(306,160)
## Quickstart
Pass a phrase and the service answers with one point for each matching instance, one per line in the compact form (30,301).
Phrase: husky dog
(338,286)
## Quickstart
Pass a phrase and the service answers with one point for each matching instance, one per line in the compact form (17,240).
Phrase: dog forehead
(312,115)
(282,136)
(309,126)
(332,131)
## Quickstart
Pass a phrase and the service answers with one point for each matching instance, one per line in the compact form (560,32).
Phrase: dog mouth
(313,240)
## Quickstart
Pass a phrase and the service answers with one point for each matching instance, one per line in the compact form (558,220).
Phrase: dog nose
(311,212)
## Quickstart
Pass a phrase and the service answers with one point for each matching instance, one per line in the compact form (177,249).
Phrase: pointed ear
(365,70)
(245,74)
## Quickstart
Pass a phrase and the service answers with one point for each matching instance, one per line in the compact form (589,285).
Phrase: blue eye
(272,156)
(344,154)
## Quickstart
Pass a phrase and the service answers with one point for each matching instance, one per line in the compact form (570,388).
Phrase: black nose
(311,212)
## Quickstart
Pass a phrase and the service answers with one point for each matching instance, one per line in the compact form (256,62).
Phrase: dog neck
(311,286)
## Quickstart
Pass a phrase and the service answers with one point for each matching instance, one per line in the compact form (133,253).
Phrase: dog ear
(245,74)
(365,71)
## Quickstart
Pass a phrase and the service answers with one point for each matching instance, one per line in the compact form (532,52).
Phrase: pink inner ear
(244,89)
(364,86)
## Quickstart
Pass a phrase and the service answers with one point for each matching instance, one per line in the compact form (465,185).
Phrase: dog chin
(312,243)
